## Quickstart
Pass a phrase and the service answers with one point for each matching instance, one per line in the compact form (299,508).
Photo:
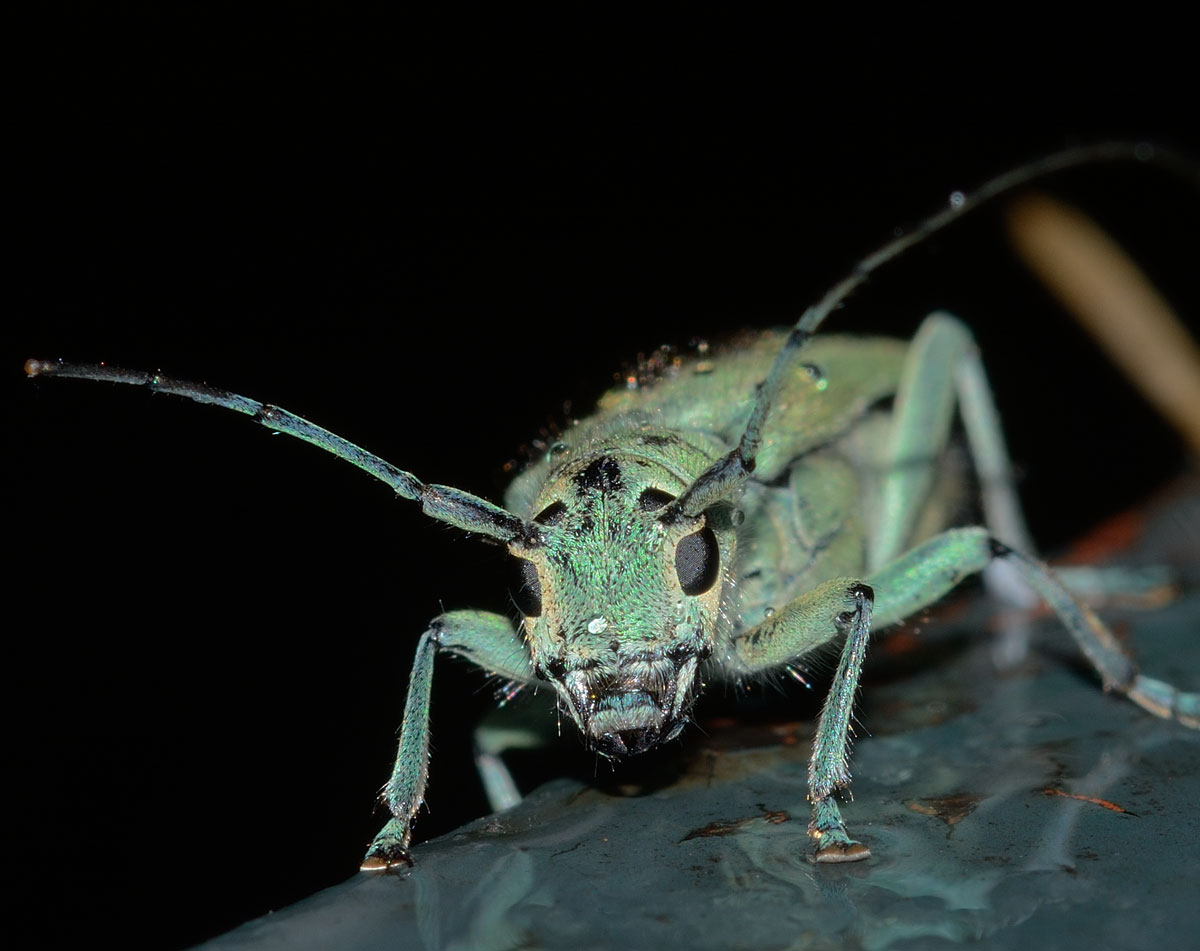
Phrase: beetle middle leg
(922,576)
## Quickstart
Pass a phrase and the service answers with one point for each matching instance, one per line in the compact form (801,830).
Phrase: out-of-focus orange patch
(899,641)
(1092,799)
(950,809)
(1109,538)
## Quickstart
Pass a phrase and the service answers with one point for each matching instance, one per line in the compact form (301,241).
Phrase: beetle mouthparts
(628,742)
(627,723)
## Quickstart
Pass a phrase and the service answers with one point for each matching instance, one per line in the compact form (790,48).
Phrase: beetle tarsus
(842,852)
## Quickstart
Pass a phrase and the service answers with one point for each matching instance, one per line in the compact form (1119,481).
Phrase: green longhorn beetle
(681,534)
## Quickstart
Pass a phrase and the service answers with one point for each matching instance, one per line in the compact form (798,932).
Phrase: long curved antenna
(442,502)
(723,477)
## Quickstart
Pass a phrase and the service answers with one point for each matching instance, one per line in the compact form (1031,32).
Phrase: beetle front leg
(843,605)
(487,640)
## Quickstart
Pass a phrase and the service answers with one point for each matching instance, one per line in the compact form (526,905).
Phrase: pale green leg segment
(942,370)
(920,577)
(525,726)
(487,640)
(997,481)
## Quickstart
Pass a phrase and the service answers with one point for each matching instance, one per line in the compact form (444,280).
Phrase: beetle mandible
(671,538)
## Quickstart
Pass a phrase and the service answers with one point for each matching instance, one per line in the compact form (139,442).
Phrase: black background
(427,237)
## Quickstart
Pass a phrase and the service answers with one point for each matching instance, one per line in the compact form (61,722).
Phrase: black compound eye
(552,514)
(651,500)
(697,559)
(528,594)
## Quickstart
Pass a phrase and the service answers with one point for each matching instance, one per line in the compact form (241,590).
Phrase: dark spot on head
(602,475)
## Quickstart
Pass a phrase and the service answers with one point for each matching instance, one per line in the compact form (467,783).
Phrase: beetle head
(621,605)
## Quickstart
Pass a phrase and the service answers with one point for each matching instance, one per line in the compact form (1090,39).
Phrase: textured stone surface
(1029,809)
